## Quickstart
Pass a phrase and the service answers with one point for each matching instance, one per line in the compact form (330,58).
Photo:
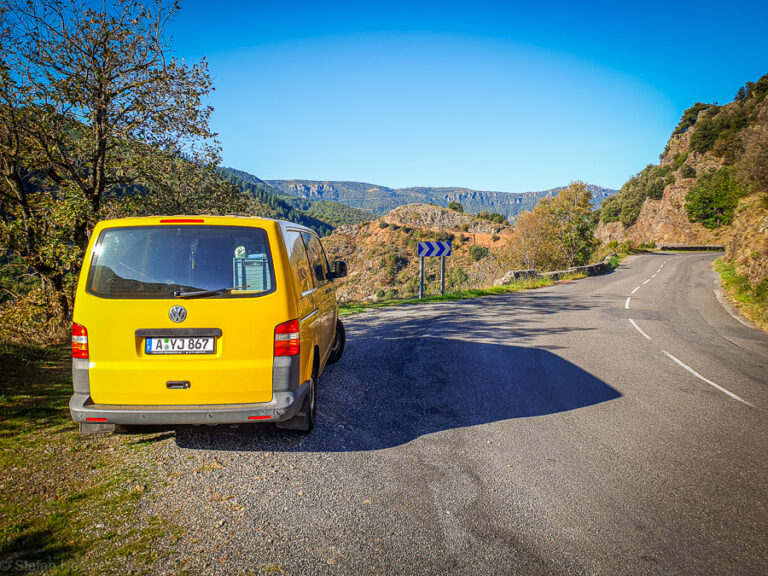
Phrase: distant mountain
(379,200)
(321,216)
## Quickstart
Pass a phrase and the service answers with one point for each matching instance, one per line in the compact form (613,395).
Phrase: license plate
(194,345)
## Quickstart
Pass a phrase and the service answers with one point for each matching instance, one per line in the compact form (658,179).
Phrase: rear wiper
(202,293)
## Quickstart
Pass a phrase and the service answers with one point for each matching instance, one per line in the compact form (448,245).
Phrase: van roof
(231,219)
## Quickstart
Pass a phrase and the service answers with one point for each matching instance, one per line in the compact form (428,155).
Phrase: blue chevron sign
(433,249)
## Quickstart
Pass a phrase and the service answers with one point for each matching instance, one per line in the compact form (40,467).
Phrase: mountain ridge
(379,200)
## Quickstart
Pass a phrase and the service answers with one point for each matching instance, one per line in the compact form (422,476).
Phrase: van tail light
(79,342)
(287,338)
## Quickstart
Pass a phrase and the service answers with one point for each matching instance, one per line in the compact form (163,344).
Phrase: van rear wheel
(338,343)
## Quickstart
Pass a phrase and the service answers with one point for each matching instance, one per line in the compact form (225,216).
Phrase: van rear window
(174,261)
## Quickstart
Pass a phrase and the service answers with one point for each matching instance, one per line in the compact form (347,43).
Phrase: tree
(571,218)
(92,112)
(557,233)
(713,199)
(741,94)
(455,206)
(533,242)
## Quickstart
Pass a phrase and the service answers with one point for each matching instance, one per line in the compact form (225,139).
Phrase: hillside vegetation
(710,187)
(382,261)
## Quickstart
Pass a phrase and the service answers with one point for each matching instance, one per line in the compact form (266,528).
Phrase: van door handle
(177,384)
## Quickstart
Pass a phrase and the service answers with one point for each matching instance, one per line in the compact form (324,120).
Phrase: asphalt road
(557,431)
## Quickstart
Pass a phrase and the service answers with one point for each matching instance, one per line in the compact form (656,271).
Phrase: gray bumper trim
(283,406)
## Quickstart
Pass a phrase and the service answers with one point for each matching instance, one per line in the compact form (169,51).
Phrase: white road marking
(654,276)
(638,329)
(646,282)
(626,306)
(700,377)
(635,290)
(659,270)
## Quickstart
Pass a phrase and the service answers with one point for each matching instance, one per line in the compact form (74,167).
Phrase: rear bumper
(283,406)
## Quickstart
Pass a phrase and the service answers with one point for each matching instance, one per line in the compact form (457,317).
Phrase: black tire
(338,343)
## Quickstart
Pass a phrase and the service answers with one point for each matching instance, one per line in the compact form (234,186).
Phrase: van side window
(316,259)
(297,256)
(325,261)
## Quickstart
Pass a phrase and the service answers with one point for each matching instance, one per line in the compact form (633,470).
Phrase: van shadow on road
(399,380)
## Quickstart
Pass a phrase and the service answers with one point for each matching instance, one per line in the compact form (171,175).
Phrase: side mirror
(338,269)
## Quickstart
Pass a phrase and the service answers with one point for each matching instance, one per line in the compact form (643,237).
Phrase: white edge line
(700,377)
(638,329)
(635,290)
(728,307)
(626,305)
(654,276)
(646,282)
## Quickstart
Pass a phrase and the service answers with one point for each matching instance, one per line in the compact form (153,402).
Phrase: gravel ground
(531,433)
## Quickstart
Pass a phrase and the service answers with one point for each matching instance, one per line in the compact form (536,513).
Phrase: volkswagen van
(202,320)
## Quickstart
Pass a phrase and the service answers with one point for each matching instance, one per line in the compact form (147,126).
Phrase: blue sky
(487,95)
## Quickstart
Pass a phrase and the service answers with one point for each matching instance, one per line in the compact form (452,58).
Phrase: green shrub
(456,277)
(713,199)
(494,238)
(655,188)
(383,224)
(611,209)
(687,171)
(689,117)
(649,183)
(719,127)
(493,217)
(455,206)
(626,247)
(679,160)
(444,236)
(760,89)
(478,252)
(392,263)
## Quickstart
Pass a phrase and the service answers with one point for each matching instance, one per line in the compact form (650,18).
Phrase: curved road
(565,430)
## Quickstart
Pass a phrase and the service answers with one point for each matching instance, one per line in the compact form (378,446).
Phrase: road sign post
(432,249)
(442,275)
(421,277)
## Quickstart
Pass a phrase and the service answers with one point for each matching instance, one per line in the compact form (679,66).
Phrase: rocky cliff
(665,220)
(710,140)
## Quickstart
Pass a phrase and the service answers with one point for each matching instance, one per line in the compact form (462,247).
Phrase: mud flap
(298,422)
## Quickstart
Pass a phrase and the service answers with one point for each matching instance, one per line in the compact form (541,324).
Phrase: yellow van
(202,320)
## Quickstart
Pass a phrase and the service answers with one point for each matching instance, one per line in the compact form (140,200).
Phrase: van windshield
(173,261)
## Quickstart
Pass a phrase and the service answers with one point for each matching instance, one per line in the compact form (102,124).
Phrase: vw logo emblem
(177,314)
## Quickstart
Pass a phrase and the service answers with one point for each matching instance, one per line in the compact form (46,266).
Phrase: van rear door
(182,314)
